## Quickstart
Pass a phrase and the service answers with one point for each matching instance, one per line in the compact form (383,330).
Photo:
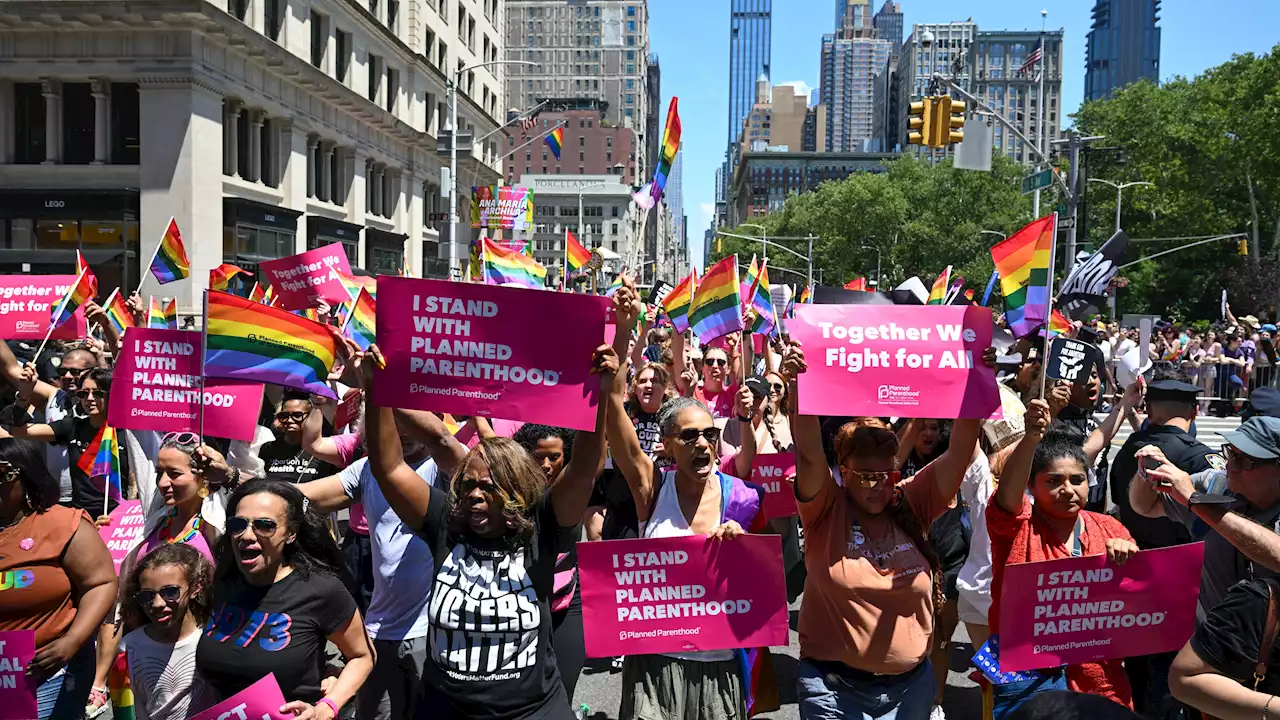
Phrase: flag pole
(52,325)
(204,343)
(152,261)
(1048,302)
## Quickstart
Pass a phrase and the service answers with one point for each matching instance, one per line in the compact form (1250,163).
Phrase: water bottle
(583,712)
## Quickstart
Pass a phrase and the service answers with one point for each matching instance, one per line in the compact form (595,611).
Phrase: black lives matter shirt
(291,463)
(490,621)
(278,629)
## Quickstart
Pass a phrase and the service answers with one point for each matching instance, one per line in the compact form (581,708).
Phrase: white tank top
(668,520)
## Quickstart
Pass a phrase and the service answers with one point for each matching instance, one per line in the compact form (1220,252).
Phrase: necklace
(167,535)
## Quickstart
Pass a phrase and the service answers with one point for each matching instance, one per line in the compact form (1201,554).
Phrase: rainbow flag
(502,266)
(102,459)
(353,284)
(85,289)
(121,689)
(1023,264)
(220,277)
(248,341)
(938,295)
(677,302)
(744,288)
(667,155)
(163,316)
(575,256)
(806,295)
(614,286)
(81,265)
(361,325)
(257,294)
(118,312)
(342,313)
(1059,324)
(555,141)
(170,261)
(758,299)
(716,309)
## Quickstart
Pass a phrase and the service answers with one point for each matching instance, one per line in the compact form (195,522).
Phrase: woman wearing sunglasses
(1051,524)
(167,600)
(277,600)
(58,579)
(286,458)
(874,583)
(495,540)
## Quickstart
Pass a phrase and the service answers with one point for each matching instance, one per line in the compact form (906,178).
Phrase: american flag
(1032,59)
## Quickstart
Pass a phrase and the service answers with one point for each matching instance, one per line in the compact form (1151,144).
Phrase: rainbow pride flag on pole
(1024,262)
(361,325)
(757,298)
(220,277)
(84,290)
(717,307)
(163,315)
(667,155)
(555,141)
(502,267)
(245,340)
(81,265)
(258,294)
(170,261)
(575,255)
(102,459)
(938,294)
(678,302)
(118,312)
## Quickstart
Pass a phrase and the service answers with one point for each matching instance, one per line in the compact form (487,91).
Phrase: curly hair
(520,484)
(313,548)
(196,567)
(530,434)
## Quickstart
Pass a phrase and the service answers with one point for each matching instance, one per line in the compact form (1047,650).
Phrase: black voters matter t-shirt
(291,463)
(1231,632)
(278,629)
(87,493)
(490,620)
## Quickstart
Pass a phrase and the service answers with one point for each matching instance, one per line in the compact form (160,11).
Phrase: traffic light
(955,121)
(1244,246)
(946,124)
(920,116)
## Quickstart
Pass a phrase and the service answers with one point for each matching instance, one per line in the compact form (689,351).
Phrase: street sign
(1038,180)
(1066,223)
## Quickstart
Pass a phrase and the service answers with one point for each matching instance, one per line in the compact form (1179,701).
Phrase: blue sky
(691,38)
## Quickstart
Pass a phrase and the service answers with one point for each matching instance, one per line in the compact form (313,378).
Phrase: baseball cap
(1258,437)
(1265,401)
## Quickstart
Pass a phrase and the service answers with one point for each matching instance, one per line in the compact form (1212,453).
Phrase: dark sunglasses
(74,371)
(181,438)
(716,362)
(95,394)
(263,527)
(690,436)
(1246,462)
(168,593)
(777,387)
(869,480)
(296,416)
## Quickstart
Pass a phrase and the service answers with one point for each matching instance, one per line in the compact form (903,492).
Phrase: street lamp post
(872,247)
(453,152)
(997,233)
(810,238)
(764,239)
(1120,193)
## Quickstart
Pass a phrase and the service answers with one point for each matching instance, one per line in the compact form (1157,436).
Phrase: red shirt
(1026,537)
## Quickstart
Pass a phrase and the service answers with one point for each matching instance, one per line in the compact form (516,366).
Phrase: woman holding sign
(57,576)
(874,582)
(1050,525)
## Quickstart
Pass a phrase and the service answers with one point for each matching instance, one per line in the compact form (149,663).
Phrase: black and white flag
(1085,288)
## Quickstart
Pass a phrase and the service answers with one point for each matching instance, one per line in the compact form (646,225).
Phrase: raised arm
(428,429)
(1017,470)
(949,469)
(811,463)
(571,491)
(326,494)
(751,407)
(402,486)
(319,446)
(23,378)
(906,441)
(1100,438)
(628,455)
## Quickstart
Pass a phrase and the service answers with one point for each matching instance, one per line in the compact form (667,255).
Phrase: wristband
(332,705)
(744,419)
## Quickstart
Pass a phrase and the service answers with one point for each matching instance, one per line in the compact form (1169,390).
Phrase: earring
(203,492)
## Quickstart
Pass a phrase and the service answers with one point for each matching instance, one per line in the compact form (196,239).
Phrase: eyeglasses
(74,371)
(1245,462)
(715,362)
(95,394)
(262,527)
(168,593)
(689,436)
(295,416)
(868,479)
(181,438)
(777,387)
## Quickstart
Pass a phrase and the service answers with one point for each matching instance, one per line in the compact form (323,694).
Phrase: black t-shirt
(1229,636)
(1186,453)
(87,493)
(291,463)
(490,619)
(278,629)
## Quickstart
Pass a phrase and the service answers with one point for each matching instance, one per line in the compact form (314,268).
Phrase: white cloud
(802,87)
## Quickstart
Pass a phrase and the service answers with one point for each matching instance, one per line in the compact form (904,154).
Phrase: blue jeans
(852,695)
(1006,698)
(63,696)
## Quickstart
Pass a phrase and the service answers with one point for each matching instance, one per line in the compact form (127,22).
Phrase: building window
(342,43)
(319,39)
(77,123)
(126,142)
(375,76)
(393,13)
(29,121)
(239,9)
(393,89)
(273,15)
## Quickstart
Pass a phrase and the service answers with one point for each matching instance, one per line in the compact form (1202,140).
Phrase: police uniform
(1182,450)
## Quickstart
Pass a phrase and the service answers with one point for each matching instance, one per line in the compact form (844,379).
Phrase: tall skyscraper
(1123,47)
(853,15)
(849,66)
(588,49)
(674,196)
(750,49)
(888,25)
(995,64)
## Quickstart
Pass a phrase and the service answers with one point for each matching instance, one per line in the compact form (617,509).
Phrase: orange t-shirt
(852,613)
(35,592)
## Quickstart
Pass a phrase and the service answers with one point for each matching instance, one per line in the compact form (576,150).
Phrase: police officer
(1171,409)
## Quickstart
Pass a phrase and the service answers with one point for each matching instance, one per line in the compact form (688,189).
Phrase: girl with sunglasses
(58,577)
(277,600)
(874,583)
(167,600)
(1051,524)
(495,539)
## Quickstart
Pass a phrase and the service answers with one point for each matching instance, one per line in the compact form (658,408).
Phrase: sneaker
(937,713)
(99,702)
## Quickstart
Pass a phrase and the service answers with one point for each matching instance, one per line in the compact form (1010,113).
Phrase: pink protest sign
(124,531)
(315,274)
(472,349)
(895,360)
(682,594)
(260,701)
(17,690)
(771,472)
(26,307)
(1078,610)
(157,387)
